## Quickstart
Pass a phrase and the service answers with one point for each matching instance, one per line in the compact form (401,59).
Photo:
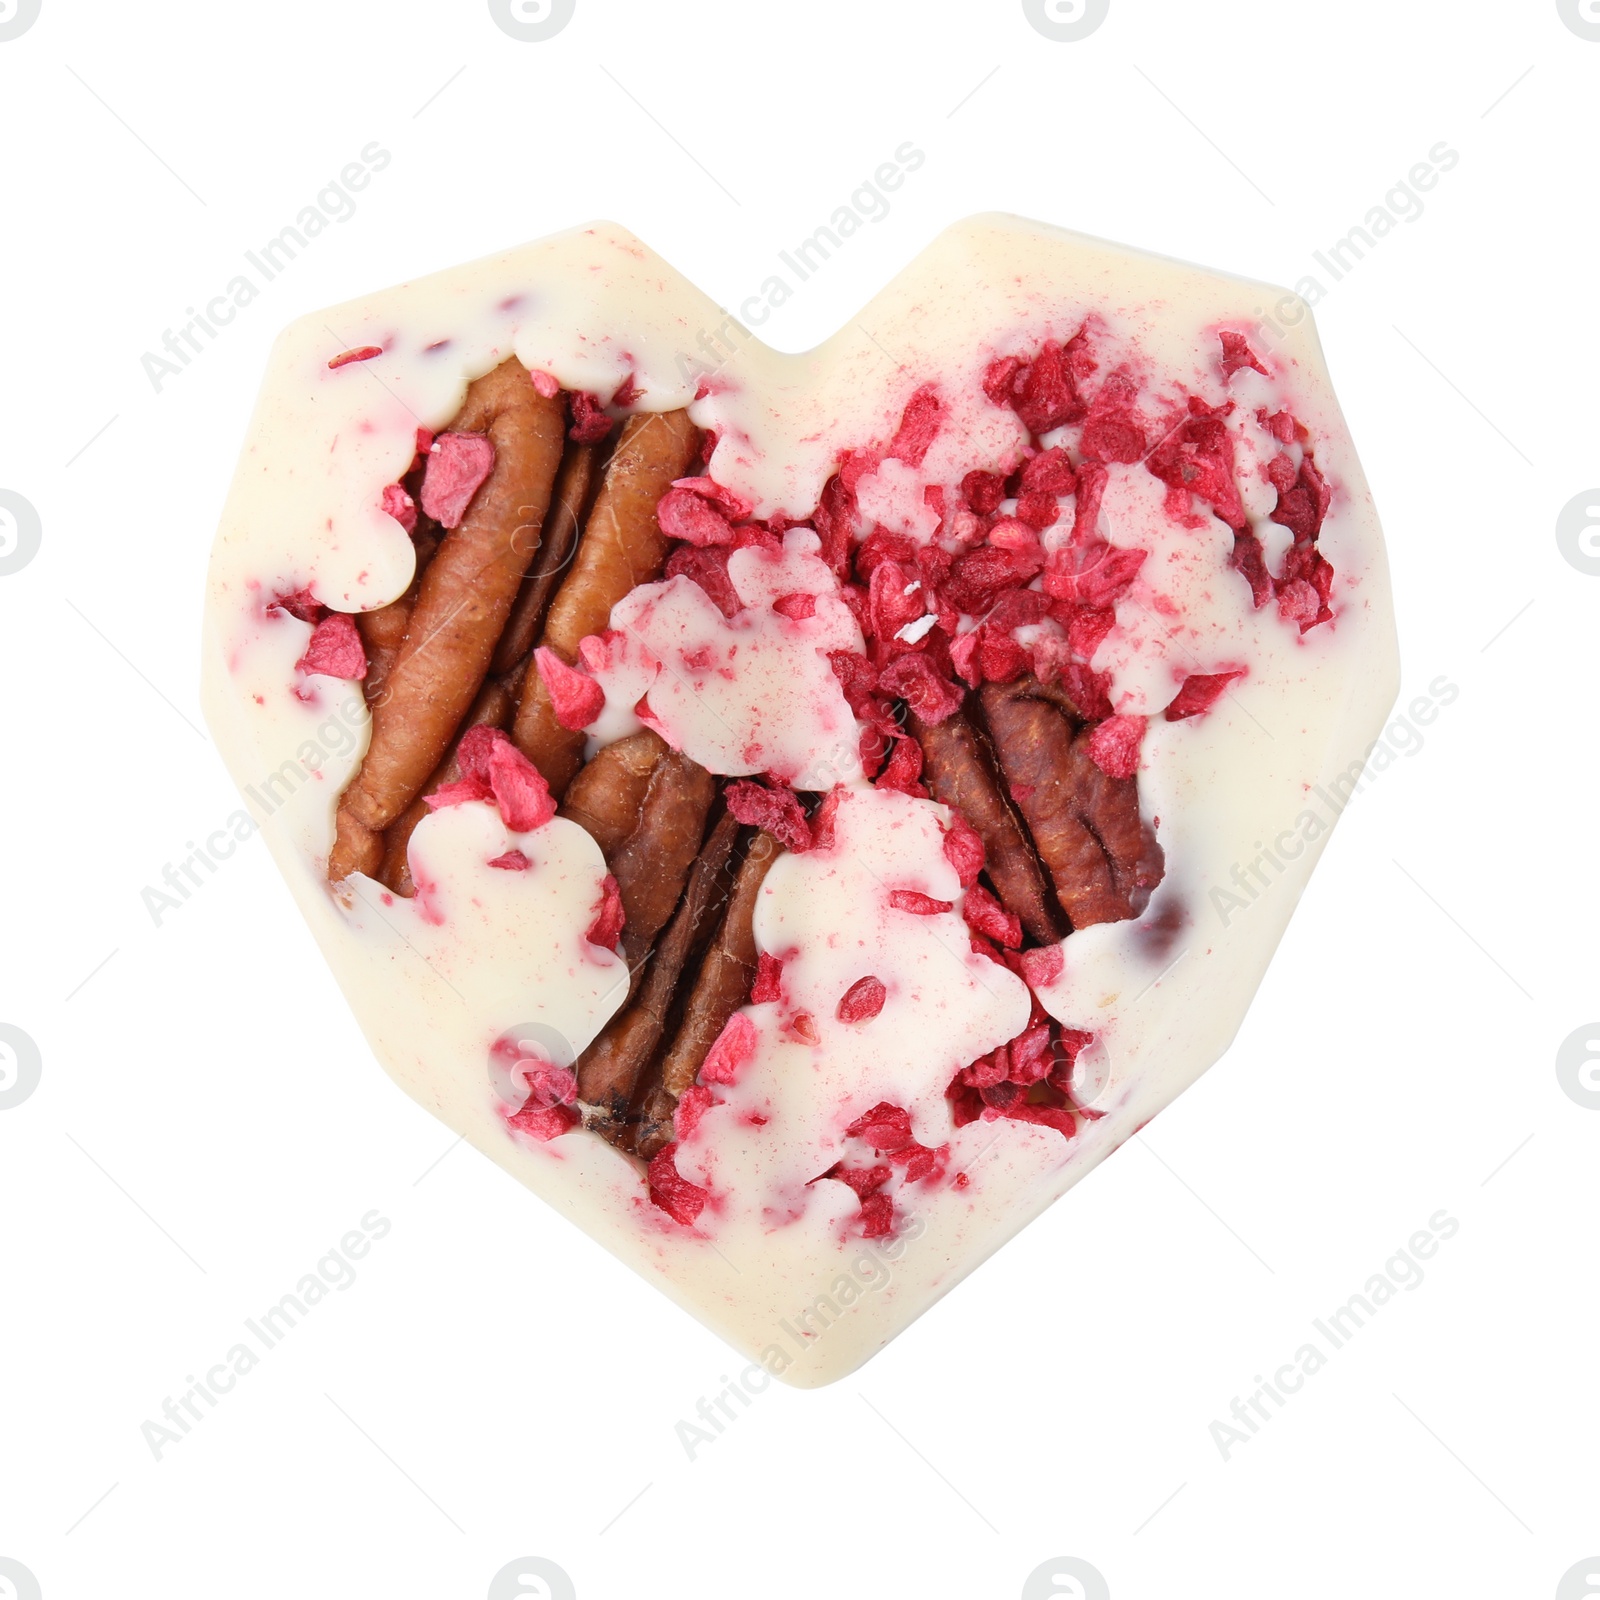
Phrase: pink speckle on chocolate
(457,464)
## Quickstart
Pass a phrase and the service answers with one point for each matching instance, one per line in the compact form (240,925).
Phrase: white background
(209,1120)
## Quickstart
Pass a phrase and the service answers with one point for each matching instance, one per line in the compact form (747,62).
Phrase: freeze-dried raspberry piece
(983,492)
(1113,430)
(627,392)
(1303,503)
(857,677)
(863,1000)
(511,861)
(335,648)
(917,903)
(913,678)
(822,824)
(726,501)
(977,576)
(777,810)
(1236,353)
(1041,967)
(684,515)
(797,606)
(1200,691)
(881,545)
(877,1216)
(575,697)
(894,598)
(299,603)
(609,916)
(400,506)
(1087,627)
(919,423)
(545,384)
(984,914)
(1000,658)
(692,1105)
(1195,457)
(733,1048)
(1092,574)
(1029,1055)
(769,980)
(1046,1116)
(903,769)
(1038,509)
(590,424)
(1248,557)
(885,1127)
(519,788)
(1114,745)
(457,464)
(1298,602)
(364,352)
(544,1122)
(835,523)
(1000,377)
(963,849)
(1044,394)
(1017,608)
(459,793)
(1049,472)
(709,569)
(803,1026)
(964,657)
(681,1200)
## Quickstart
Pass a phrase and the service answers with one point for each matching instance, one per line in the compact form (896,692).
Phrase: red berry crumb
(681,1200)
(863,1000)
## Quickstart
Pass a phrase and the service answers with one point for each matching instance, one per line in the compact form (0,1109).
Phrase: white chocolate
(482,950)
